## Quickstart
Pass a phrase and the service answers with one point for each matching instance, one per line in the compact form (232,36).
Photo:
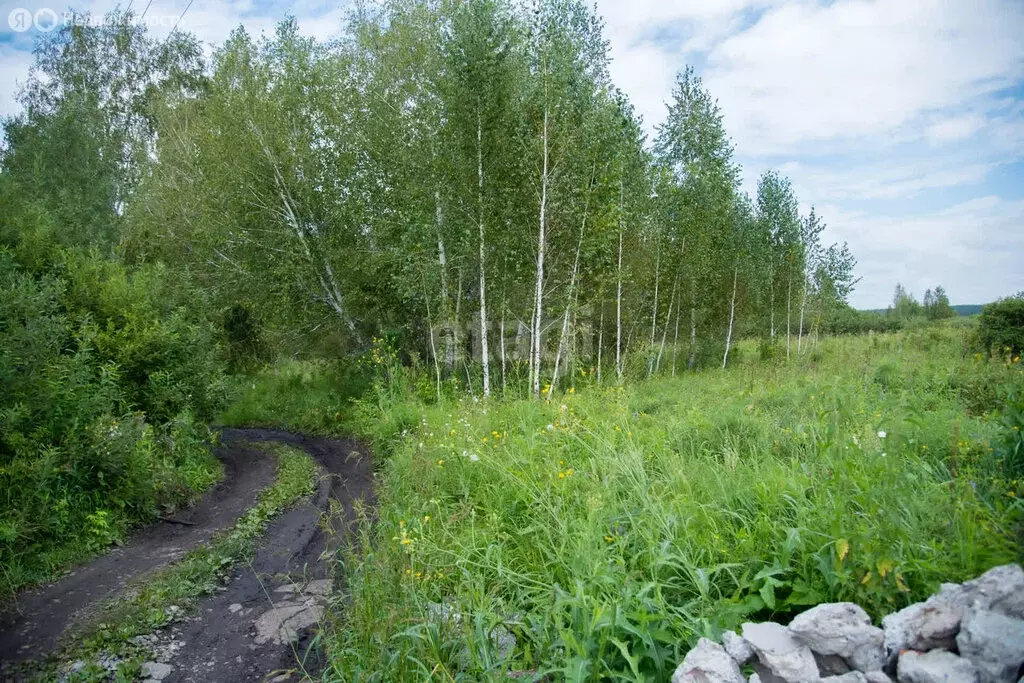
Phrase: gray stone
(708,663)
(937,666)
(754,678)
(848,677)
(156,671)
(1000,589)
(283,623)
(994,643)
(843,629)
(737,648)
(781,653)
(502,639)
(877,677)
(321,587)
(928,625)
(831,665)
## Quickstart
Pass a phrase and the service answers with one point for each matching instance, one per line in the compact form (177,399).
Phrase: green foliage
(107,385)
(611,528)
(1001,327)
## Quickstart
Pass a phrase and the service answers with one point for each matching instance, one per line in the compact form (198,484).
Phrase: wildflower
(881,433)
(608,539)
(406,541)
(568,472)
(426,518)
(572,390)
(440,462)
(473,457)
(550,428)
(561,475)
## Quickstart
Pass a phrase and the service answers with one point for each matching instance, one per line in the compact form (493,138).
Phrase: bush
(106,388)
(1001,326)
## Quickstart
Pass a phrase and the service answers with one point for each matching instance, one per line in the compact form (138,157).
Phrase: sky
(901,121)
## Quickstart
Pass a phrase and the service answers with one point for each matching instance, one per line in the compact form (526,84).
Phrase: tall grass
(610,527)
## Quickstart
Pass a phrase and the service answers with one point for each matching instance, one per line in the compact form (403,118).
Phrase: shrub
(106,388)
(1001,326)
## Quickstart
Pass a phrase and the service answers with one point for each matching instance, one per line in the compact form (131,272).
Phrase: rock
(848,677)
(782,654)
(502,640)
(934,623)
(843,629)
(283,623)
(831,665)
(754,678)
(321,587)
(708,663)
(235,607)
(937,666)
(1000,589)
(994,643)
(877,677)
(156,671)
(737,648)
(928,625)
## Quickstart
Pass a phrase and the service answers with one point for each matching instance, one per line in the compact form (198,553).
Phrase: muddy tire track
(262,624)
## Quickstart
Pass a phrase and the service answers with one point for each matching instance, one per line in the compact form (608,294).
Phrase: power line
(145,10)
(182,16)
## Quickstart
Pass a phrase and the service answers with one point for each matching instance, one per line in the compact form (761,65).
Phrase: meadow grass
(611,526)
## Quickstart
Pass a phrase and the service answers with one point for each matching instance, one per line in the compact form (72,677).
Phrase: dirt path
(262,622)
(261,626)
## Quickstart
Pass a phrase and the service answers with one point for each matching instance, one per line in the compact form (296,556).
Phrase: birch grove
(450,158)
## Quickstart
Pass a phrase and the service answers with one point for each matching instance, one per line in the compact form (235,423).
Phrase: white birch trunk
(618,299)
(693,323)
(675,342)
(800,332)
(789,298)
(539,296)
(446,310)
(732,316)
(501,343)
(483,269)
(668,318)
(654,311)
(433,347)
(600,342)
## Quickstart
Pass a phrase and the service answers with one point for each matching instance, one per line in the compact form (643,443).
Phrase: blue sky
(901,121)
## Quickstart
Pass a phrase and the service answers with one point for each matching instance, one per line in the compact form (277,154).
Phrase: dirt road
(261,624)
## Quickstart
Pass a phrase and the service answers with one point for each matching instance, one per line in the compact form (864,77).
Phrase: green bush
(106,388)
(1001,326)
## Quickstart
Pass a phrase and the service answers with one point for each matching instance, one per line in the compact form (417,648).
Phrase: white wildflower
(881,433)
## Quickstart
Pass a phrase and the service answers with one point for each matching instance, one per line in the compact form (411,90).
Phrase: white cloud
(880,180)
(955,128)
(972,248)
(807,72)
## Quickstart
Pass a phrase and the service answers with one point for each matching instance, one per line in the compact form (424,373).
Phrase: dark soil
(221,645)
(227,640)
(39,616)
